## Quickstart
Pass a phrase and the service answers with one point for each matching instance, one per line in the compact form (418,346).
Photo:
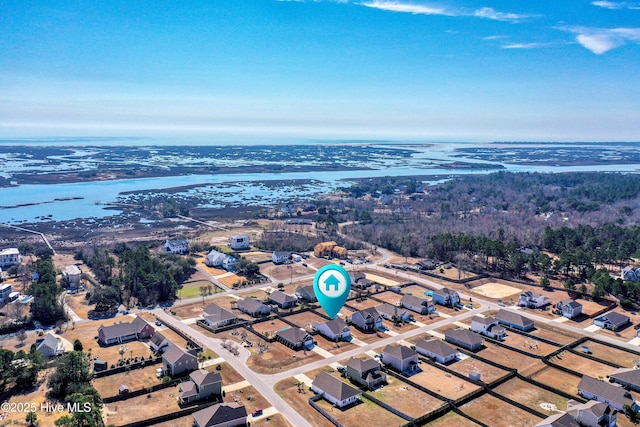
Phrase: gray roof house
(612,320)
(335,391)
(201,385)
(158,342)
(253,307)
(401,358)
(614,395)
(419,305)
(514,320)
(335,329)
(393,312)
(436,349)
(177,361)
(488,326)
(216,316)
(306,293)
(50,346)
(367,319)
(590,414)
(180,246)
(215,258)
(569,308)
(365,372)
(282,300)
(464,338)
(119,333)
(627,377)
(445,296)
(295,338)
(221,415)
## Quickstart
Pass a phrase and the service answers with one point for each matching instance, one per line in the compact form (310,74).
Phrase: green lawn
(192,289)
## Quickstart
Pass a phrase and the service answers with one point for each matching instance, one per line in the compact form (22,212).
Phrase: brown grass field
(306,319)
(488,373)
(288,390)
(496,413)
(527,344)
(368,337)
(38,396)
(140,408)
(229,375)
(360,305)
(451,419)
(509,358)
(79,305)
(530,395)
(270,327)
(333,347)
(404,398)
(273,421)
(442,382)
(556,335)
(366,413)
(391,297)
(558,379)
(135,379)
(279,357)
(231,280)
(583,365)
(610,354)
(248,397)
(286,272)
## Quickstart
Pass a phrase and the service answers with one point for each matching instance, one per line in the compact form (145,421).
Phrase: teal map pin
(332,285)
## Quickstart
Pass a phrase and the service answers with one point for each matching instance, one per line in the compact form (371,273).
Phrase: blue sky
(370,69)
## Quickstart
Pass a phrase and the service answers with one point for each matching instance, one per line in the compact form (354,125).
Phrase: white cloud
(602,40)
(490,13)
(415,9)
(523,45)
(616,5)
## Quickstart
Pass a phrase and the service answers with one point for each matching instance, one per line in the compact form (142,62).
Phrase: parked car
(256,412)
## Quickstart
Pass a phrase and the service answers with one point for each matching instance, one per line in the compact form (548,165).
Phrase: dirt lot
(530,395)
(610,354)
(390,297)
(558,379)
(368,337)
(333,347)
(135,379)
(527,344)
(306,320)
(450,419)
(416,290)
(273,421)
(509,358)
(361,305)
(287,271)
(229,375)
(249,397)
(384,280)
(366,413)
(404,398)
(556,335)
(583,365)
(496,290)
(488,373)
(278,357)
(288,390)
(317,262)
(231,280)
(442,382)
(496,413)
(79,304)
(270,327)
(139,408)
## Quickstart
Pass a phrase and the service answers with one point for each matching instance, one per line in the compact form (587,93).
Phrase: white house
(239,242)
(180,246)
(216,316)
(335,391)
(159,342)
(445,296)
(367,319)
(401,358)
(533,300)
(569,308)
(605,392)
(393,312)
(10,256)
(488,326)
(230,263)
(419,305)
(215,258)
(280,257)
(50,346)
(72,275)
(335,329)
(436,349)
(5,291)
(612,320)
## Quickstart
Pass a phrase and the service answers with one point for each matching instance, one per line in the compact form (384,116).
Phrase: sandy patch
(496,290)
(381,280)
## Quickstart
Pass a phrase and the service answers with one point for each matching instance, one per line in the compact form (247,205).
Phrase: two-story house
(201,385)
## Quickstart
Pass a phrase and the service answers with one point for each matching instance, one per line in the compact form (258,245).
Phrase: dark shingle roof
(175,353)
(250,304)
(157,338)
(293,335)
(334,387)
(628,375)
(390,310)
(605,390)
(444,292)
(123,328)
(363,365)
(437,347)
(617,319)
(399,351)
(219,413)
(513,318)
(413,300)
(280,297)
(204,378)
(371,311)
(484,320)
(464,336)
(336,325)
(215,313)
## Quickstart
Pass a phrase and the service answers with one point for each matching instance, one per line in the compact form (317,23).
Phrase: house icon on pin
(332,281)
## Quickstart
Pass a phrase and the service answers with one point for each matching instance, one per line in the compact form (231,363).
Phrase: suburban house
(367,319)
(612,320)
(393,312)
(365,372)
(282,300)
(119,333)
(335,329)
(295,338)
(5,291)
(253,307)
(628,274)
(221,415)
(445,296)
(335,391)
(401,358)
(180,246)
(216,316)
(215,258)
(9,257)
(532,300)
(590,414)
(280,257)
(614,395)
(360,281)
(50,346)
(229,263)
(159,342)
(436,349)
(417,304)
(488,326)
(177,360)
(569,308)
(514,320)
(306,293)
(627,377)
(239,242)
(201,385)
(72,275)
(464,338)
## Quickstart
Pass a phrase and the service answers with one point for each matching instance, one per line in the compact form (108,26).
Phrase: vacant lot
(558,379)
(556,335)
(527,344)
(368,337)
(582,364)
(450,419)
(488,373)
(288,390)
(332,346)
(496,413)
(79,304)
(442,382)
(509,358)
(231,279)
(37,397)
(362,303)
(270,327)
(496,290)
(386,280)
(135,379)
(306,320)
(391,297)
(276,420)
(286,272)
(229,375)
(366,413)
(530,395)
(249,397)
(610,354)
(279,357)
(404,398)
(143,407)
